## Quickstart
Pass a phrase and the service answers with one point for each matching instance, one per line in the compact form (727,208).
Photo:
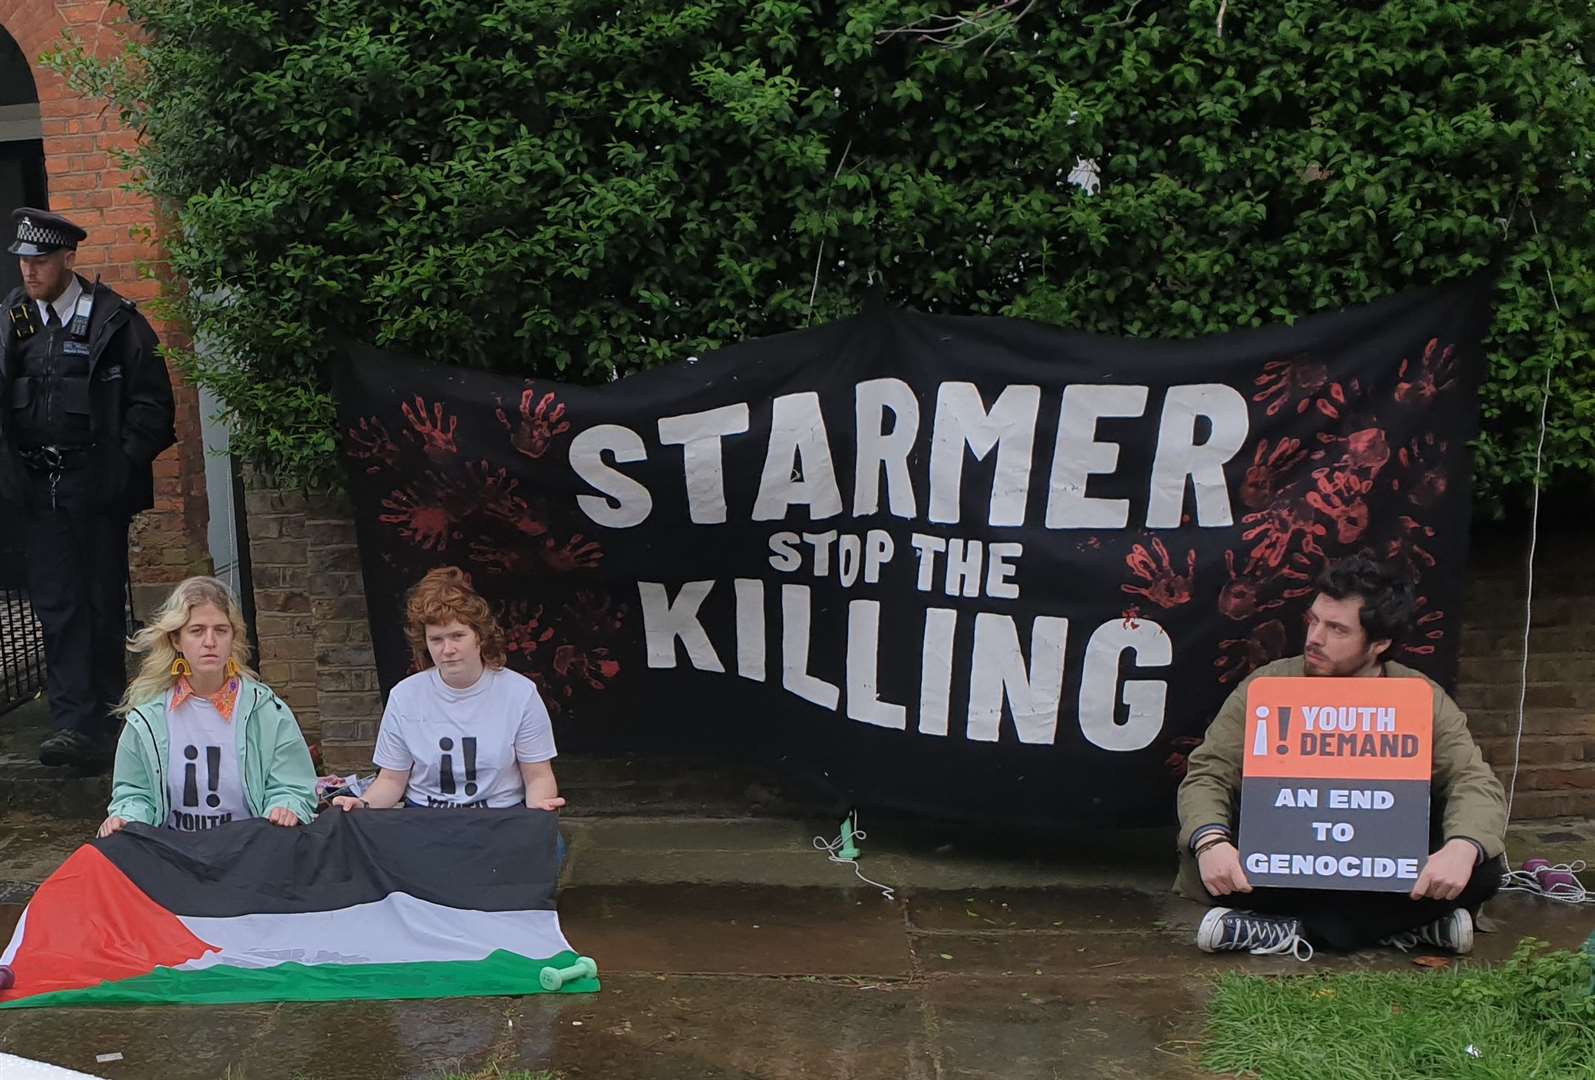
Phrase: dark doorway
(22,176)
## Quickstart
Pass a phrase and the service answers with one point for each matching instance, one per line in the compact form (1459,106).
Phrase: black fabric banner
(487,860)
(975,567)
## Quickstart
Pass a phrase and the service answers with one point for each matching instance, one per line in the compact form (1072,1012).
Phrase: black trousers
(77,583)
(1352,920)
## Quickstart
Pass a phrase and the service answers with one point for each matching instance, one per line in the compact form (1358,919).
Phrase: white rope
(831,849)
(1534,537)
(1565,892)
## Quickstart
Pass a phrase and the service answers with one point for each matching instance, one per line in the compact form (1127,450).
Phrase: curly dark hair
(443,596)
(1389,599)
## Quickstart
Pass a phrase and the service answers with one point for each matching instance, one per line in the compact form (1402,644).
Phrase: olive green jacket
(1473,801)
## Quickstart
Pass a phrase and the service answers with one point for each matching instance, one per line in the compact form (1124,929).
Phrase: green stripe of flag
(499,973)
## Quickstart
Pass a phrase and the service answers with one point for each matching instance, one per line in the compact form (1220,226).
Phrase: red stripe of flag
(89,924)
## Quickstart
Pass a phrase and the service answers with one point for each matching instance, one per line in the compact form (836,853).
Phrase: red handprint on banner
(1406,548)
(538,426)
(434,436)
(1266,474)
(1276,528)
(1241,596)
(1432,376)
(1424,465)
(494,559)
(1428,630)
(1362,453)
(423,521)
(1349,513)
(592,666)
(1241,656)
(1305,381)
(369,441)
(524,631)
(1165,586)
(577,553)
(524,518)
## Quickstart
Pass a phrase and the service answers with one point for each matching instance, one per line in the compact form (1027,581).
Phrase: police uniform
(85,407)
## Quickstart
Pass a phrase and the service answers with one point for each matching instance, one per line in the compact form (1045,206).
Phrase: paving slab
(1062,1029)
(180,1043)
(737,930)
(692,1027)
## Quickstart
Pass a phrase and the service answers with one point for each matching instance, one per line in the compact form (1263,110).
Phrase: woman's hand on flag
(349,802)
(109,826)
(281,815)
(550,804)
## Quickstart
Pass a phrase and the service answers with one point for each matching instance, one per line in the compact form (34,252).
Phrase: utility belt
(55,460)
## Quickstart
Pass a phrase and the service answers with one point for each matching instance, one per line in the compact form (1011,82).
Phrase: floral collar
(223,700)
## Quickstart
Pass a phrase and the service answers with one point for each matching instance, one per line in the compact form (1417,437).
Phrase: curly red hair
(444,596)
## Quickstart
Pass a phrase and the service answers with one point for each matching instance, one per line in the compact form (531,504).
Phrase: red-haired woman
(464,730)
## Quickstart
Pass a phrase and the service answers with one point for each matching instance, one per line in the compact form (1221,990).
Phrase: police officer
(85,406)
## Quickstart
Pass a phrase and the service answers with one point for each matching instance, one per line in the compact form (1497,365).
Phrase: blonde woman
(205,742)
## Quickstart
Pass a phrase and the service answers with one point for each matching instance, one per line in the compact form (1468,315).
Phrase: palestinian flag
(373,904)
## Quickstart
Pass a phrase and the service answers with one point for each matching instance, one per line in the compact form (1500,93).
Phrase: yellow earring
(232,668)
(180,667)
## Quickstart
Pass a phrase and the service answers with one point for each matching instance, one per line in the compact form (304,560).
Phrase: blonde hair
(445,595)
(154,641)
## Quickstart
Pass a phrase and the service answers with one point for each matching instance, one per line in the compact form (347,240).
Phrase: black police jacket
(131,412)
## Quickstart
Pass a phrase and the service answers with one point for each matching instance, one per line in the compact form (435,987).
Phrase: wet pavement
(730,948)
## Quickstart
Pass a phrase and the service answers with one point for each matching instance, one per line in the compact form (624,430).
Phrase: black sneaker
(1453,933)
(1227,930)
(70,747)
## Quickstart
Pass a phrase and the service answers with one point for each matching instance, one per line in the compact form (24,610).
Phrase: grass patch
(1532,1018)
(497,1074)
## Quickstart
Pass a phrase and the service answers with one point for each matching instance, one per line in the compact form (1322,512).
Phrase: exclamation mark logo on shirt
(446,765)
(191,777)
(468,747)
(213,758)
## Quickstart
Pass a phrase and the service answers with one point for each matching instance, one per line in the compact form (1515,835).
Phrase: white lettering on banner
(936,676)
(795,616)
(1146,698)
(863,691)
(799,471)
(997,673)
(856,556)
(699,435)
(665,620)
(1180,457)
(750,628)
(628,502)
(1078,456)
(884,451)
(1000,681)
(962,420)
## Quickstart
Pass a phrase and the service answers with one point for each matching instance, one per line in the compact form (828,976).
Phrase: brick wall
(81,137)
(1556,776)
(310,614)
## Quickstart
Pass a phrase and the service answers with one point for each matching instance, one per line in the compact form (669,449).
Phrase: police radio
(82,311)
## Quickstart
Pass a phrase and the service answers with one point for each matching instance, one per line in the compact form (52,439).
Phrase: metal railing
(21,636)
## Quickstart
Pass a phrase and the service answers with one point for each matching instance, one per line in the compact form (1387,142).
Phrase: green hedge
(579,189)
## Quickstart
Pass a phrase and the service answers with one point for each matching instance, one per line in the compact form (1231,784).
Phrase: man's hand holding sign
(1364,812)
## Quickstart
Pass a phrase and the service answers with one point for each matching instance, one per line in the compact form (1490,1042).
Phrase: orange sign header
(1353,728)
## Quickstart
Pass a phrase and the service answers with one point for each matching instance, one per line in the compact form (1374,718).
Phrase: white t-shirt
(465,747)
(202,780)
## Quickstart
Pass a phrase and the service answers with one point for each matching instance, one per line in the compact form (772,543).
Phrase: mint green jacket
(273,760)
